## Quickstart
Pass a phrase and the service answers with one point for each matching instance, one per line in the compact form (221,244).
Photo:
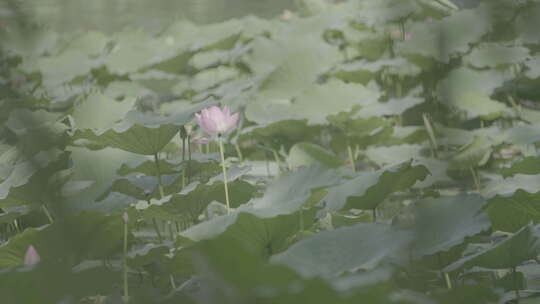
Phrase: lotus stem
(278,162)
(189,159)
(447,280)
(351,157)
(239,152)
(516,284)
(222,153)
(183,160)
(47,213)
(431,134)
(156,228)
(267,163)
(126,290)
(476,180)
(160,186)
(171,232)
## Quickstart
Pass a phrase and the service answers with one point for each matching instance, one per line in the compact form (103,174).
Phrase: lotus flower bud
(31,257)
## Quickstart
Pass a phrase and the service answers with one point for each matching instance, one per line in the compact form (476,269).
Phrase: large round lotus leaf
(527,23)
(284,196)
(349,249)
(507,186)
(524,134)
(98,166)
(445,222)
(386,11)
(212,77)
(448,37)
(510,213)
(391,107)
(368,189)
(61,68)
(391,155)
(28,181)
(527,165)
(23,121)
(192,204)
(256,280)
(303,154)
(494,55)
(474,154)
(281,133)
(363,71)
(142,133)
(135,49)
(469,90)
(294,58)
(511,252)
(156,80)
(137,139)
(87,235)
(30,42)
(98,111)
(533,67)
(267,236)
(315,103)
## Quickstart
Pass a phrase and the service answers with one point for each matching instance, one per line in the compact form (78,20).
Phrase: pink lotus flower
(125,217)
(215,121)
(31,257)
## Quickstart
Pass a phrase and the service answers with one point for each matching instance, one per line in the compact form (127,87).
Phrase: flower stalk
(125,217)
(222,153)
(160,186)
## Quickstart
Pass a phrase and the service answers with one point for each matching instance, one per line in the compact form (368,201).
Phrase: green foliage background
(387,153)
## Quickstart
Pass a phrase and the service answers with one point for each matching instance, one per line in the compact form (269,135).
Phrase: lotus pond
(354,152)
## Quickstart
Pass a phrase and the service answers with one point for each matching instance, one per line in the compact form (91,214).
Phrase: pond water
(114,15)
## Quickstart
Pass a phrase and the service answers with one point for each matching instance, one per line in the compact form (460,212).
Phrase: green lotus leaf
(391,155)
(508,186)
(445,222)
(286,195)
(527,23)
(448,37)
(369,189)
(511,212)
(527,165)
(149,168)
(190,205)
(303,154)
(495,55)
(475,154)
(508,253)
(98,111)
(29,181)
(533,66)
(349,249)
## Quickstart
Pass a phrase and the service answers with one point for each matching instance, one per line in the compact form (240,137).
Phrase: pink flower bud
(125,217)
(31,257)
(215,121)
